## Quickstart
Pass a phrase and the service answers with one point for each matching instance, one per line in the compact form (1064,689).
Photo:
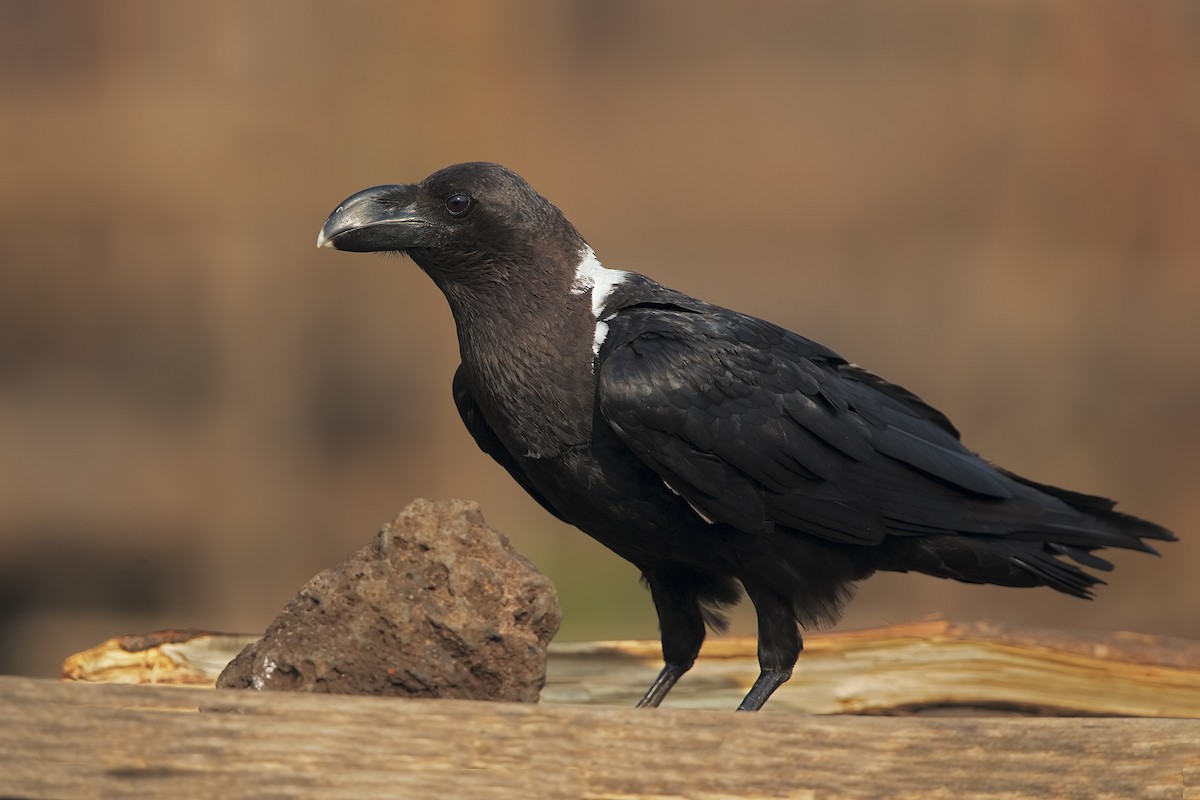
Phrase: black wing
(758,427)
(488,441)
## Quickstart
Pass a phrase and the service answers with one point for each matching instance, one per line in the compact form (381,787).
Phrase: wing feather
(757,427)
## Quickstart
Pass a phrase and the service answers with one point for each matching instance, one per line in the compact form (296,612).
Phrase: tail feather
(1080,556)
(1066,578)
(1037,553)
(1108,527)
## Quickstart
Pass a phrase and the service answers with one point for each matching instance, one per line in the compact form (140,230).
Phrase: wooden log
(63,739)
(171,657)
(929,664)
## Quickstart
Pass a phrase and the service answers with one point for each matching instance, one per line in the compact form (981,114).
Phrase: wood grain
(931,664)
(60,739)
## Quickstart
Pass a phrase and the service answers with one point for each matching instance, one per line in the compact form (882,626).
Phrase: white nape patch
(600,336)
(593,276)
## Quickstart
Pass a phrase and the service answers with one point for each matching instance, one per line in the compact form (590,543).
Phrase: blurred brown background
(994,204)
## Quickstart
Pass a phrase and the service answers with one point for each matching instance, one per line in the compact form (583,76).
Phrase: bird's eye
(458,204)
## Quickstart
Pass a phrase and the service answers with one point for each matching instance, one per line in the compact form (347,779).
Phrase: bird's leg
(768,681)
(662,684)
(681,625)
(779,645)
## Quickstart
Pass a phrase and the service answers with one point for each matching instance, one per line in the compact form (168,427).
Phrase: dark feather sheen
(716,451)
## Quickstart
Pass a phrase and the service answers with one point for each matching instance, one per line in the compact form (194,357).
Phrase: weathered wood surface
(928,664)
(73,740)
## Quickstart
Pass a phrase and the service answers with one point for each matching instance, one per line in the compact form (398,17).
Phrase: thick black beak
(379,218)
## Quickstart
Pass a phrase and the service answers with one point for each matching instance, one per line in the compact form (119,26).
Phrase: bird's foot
(662,684)
(768,681)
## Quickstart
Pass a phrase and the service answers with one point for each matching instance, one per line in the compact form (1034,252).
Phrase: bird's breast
(532,373)
(538,409)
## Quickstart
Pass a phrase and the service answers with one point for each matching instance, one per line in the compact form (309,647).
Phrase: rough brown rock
(439,605)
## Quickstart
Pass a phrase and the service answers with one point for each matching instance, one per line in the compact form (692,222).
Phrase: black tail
(1110,528)
(1039,554)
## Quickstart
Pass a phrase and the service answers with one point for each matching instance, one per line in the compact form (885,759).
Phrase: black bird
(715,451)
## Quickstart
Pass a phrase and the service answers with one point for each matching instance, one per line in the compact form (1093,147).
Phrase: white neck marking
(593,276)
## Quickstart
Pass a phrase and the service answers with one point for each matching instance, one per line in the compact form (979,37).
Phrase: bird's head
(475,224)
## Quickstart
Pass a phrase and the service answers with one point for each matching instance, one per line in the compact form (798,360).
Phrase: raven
(717,452)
